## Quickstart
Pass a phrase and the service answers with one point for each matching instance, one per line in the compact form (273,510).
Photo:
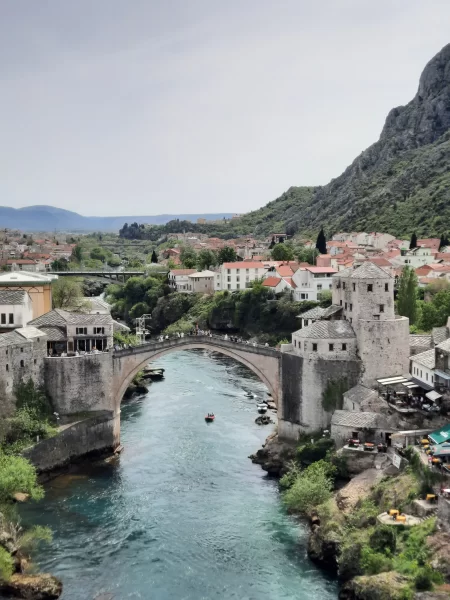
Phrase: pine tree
(272,243)
(154,257)
(407,295)
(413,242)
(321,243)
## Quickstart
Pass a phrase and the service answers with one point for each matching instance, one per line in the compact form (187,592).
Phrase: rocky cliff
(399,184)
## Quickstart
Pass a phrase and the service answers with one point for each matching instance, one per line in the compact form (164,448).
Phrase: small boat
(209,418)
(262,408)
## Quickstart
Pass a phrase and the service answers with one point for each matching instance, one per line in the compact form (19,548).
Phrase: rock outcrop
(274,457)
(32,587)
(384,586)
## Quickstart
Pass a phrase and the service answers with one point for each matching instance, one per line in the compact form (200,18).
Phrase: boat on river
(209,418)
(153,373)
(262,408)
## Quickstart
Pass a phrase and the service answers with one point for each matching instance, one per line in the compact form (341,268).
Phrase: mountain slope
(399,184)
(48,218)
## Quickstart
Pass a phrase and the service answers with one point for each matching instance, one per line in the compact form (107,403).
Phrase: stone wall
(20,362)
(383,348)
(80,383)
(303,384)
(443,513)
(97,433)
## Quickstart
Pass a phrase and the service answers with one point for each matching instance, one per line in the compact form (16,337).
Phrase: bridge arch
(261,361)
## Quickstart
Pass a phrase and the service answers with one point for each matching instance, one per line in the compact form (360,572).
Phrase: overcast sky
(121,107)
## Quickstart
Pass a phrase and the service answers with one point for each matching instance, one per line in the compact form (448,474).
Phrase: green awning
(441,435)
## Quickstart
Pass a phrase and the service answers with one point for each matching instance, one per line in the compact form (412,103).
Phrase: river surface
(183,514)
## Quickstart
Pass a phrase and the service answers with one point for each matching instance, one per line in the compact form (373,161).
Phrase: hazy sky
(120,107)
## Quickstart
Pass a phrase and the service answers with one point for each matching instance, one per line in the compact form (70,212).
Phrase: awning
(441,435)
(422,384)
(410,385)
(392,380)
(433,395)
(441,374)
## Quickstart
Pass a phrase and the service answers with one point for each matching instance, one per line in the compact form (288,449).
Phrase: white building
(16,309)
(179,279)
(416,258)
(235,276)
(422,368)
(311,281)
(201,282)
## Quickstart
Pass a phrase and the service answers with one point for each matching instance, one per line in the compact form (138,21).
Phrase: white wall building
(179,279)
(201,282)
(416,257)
(422,367)
(311,281)
(16,309)
(238,275)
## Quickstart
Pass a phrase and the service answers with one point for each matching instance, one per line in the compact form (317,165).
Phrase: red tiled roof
(271,281)
(284,271)
(183,271)
(20,261)
(429,243)
(290,281)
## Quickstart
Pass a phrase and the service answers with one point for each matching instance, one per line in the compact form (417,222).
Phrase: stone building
(69,332)
(16,309)
(22,354)
(357,341)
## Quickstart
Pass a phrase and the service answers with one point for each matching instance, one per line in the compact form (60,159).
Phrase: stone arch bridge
(263,361)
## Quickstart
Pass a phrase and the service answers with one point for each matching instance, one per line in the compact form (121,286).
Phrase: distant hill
(398,185)
(49,218)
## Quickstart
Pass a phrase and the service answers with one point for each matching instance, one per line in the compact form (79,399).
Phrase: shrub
(373,562)
(313,486)
(383,538)
(6,565)
(424,579)
(18,475)
(309,453)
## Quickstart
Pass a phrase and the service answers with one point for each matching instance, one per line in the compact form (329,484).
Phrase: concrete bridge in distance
(113,275)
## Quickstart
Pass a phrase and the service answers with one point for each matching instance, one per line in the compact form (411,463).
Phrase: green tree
(18,475)
(60,264)
(206,259)
(282,251)
(308,255)
(413,242)
(154,257)
(67,293)
(226,254)
(98,253)
(77,254)
(321,243)
(407,295)
(188,257)
(312,487)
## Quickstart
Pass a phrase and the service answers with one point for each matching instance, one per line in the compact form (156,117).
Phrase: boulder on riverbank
(135,389)
(275,456)
(32,587)
(384,586)
(263,420)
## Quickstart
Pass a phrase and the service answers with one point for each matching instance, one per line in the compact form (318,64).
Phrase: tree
(413,242)
(60,264)
(98,254)
(226,254)
(67,293)
(308,255)
(407,295)
(282,252)
(205,259)
(188,257)
(154,258)
(272,243)
(77,254)
(18,475)
(321,243)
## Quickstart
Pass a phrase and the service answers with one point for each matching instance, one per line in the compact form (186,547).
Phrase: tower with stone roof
(366,295)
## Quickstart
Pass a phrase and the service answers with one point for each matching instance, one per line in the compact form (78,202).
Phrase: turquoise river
(183,514)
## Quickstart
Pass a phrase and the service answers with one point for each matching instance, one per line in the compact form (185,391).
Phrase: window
(370,287)
(229,278)
(354,287)
(304,296)
(340,302)
(7,367)
(295,343)
(343,285)
(426,376)
(11,318)
(98,330)
(319,287)
(229,286)
(306,322)
(432,379)
(346,306)
(35,361)
(305,345)
(314,347)
(331,347)
(386,287)
(381,307)
(344,346)
(238,286)
(247,270)
(81,330)
(22,364)
(21,349)
(376,317)
(351,306)
(228,271)
(3,319)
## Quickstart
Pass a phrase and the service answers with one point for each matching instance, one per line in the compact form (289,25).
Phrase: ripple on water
(183,515)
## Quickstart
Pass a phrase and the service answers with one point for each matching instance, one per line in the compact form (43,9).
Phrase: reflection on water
(183,514)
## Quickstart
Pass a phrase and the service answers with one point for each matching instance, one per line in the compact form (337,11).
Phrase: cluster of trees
(205,259)
(423,314)
(137,297)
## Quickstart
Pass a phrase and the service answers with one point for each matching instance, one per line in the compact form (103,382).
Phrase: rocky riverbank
(275,456)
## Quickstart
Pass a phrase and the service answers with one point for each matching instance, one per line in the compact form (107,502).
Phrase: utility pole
(141,331)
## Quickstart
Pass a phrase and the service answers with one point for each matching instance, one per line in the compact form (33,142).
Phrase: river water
(183,514)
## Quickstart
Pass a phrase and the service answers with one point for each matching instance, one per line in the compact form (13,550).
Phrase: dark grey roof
(350,418)
(444,345)
(120,326)
(332,310)
(426,359)
(370,271)
(420,341)
(54,334)
(12,338)
(439,335)
(11,296)
(327,329)
(62,318)
(360,393)
(313,313)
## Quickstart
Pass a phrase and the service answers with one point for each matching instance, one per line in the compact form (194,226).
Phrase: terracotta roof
(290,281)
(182,271)
(284,271)
(380,261)
(271,281)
